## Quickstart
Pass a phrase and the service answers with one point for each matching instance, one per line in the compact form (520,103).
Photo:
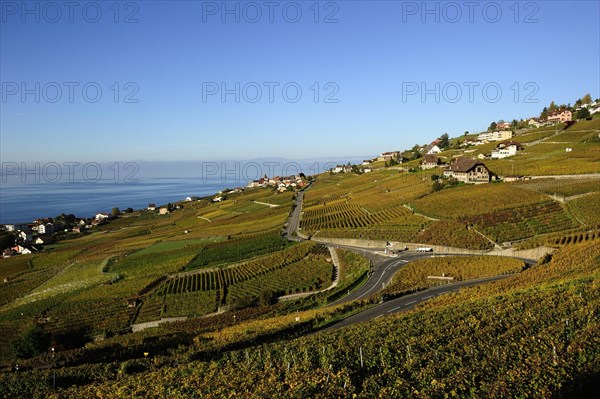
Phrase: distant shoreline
(28,202)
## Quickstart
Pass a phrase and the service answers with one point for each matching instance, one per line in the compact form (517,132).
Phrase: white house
(21,250)
(217,199)
(342,169)
(46,228)
(506,149)
(500,153)
(16,226)
(432,149)
(102,216)
(189,199)
(44,240)
(25,236)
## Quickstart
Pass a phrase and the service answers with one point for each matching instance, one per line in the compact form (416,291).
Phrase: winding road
(383,268)
(408,302)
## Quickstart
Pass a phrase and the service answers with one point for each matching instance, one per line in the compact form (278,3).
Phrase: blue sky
(363,57)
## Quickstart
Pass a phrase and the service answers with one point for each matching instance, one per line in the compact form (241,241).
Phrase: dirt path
(484,236)
(155,323)
(267,204)
(419,214)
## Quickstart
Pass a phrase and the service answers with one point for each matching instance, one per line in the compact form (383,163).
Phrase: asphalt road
(408,302)
(294,220)
(383,269)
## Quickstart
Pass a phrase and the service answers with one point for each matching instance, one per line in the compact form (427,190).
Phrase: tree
(7,240)
(415,152)
(437,186)
(544,113)
(587,99)
(466,133)
(492,127)
(444,140)
(552,106)
(583,113)
(514,123)
(115,211)
(66,219)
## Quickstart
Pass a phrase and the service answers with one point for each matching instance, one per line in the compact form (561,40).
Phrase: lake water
(27,202)
(31,191)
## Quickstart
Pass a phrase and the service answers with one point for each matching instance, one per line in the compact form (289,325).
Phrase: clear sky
(162,68)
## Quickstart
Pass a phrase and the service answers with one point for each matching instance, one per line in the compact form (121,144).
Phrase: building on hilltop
(388,156)
(468,170)
(342,169)
(496,136)
(432,149)
(560,116)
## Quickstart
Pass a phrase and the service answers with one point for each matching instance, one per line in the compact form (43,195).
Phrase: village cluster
(467,170)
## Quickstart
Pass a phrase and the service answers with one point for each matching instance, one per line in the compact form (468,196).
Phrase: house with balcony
(560,116)
(499,135)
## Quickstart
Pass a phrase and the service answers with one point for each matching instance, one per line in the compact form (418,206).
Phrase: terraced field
(562,187)
(521,222)
(303,267)
(587,208)
(495,340)
(371,206)
(85,283)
